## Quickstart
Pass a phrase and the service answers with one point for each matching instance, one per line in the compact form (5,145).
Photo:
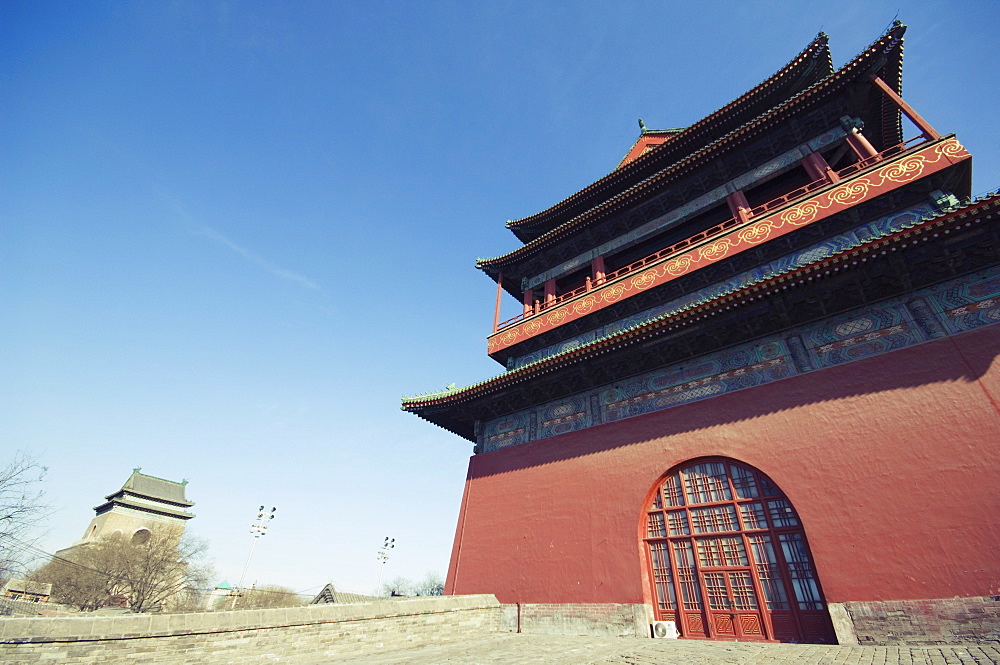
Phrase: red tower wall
(891,462)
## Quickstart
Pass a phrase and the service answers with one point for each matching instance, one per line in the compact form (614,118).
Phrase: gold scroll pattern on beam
(845,194)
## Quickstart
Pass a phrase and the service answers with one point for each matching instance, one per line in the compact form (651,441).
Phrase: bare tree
(198,576)
(74,582)
(259,598)
(431,585)
(149,573)
(399,586)
(21,508)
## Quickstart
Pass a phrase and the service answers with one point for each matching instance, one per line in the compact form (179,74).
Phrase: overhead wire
(37,551)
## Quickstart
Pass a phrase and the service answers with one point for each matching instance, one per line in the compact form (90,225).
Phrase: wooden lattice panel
(727,547)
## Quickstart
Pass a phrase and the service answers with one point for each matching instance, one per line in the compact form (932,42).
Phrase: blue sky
(233,234)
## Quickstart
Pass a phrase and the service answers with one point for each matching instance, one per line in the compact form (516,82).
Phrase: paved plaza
(514,649)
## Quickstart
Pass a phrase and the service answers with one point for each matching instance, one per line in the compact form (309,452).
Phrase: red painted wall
(893,464)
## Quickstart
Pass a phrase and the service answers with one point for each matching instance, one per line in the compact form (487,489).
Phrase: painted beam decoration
(950,308)
(838,197)
(886,225)
(689,209)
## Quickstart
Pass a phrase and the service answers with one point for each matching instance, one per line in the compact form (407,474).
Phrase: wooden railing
(719,229)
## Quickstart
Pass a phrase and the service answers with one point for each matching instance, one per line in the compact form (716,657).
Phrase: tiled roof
(709,127)
(27,586)
(150,494)
(614,203)
(155,488)
(648,139)
(419,403)
(160,509)
(329,595)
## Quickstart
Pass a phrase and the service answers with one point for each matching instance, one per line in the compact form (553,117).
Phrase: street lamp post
(258,529)
(383,556)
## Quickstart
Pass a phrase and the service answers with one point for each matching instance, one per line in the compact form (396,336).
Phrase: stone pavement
(515,649)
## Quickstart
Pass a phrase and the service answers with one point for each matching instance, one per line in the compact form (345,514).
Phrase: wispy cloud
(263,263)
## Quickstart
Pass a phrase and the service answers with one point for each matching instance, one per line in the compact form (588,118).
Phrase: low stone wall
(247,637)
(918,622)
(606,619)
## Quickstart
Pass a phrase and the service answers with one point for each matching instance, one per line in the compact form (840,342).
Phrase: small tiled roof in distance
(330,596)
(18,585)
(142,492)
(811,65)
(155,488)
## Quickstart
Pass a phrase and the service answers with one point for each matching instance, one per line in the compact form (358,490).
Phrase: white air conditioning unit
(664,629)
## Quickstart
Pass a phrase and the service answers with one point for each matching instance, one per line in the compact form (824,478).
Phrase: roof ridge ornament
(643,130)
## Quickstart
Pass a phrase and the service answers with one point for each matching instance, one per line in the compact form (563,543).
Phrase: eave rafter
(688,256)
(674,325)
(874,58)
(798,67)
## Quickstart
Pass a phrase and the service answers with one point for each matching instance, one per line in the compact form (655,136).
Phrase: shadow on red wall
(889,462)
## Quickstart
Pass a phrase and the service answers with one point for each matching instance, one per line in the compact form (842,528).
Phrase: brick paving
(514,649)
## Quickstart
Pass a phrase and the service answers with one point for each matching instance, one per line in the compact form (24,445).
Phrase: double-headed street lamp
(383,556)
(258,529)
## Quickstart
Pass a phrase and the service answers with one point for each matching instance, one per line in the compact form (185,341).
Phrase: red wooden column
(597,271)
(496,311)
(860,145)
(738,205)
(925,127)
(818,169)
(550,292)
(527,299)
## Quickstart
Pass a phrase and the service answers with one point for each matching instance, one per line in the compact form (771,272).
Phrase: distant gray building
(26,590)
(143,503)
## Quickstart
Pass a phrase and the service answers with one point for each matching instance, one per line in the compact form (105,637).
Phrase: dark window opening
(701,222)
(840,156)
(572,281)
(777,187)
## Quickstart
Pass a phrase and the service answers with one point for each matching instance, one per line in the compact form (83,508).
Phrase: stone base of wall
(248,637)
(873,623)
(608,619)
(918,622)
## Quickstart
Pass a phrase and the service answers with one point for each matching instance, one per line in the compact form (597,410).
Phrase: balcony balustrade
(755,214)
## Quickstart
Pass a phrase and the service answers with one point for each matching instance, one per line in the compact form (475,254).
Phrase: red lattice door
(729,560)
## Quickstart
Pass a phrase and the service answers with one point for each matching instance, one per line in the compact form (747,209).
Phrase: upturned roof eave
(821,41)
(474,391)
(122,492)
(156,510)
(838,77)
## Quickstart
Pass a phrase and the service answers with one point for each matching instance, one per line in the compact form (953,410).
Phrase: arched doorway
(728,558)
